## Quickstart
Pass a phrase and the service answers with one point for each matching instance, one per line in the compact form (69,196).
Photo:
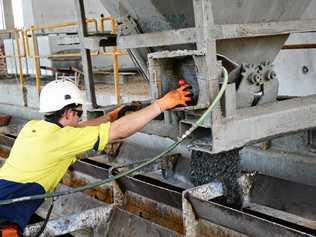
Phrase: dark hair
(57,115)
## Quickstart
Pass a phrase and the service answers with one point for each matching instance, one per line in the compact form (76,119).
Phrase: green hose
(142,165)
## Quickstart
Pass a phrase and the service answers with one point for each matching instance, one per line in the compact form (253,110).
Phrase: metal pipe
(94,54)
(27,45)
(17,42)
(116,77)
(62,25)
(36,60)
(115,54)
(116,67)
(53,26)
(103,19)
(23,44)
(94,21)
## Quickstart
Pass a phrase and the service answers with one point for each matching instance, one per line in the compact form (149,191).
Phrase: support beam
(266,121)
(219,32)
(182,36)
(85,55)
(204,19)
(233,31)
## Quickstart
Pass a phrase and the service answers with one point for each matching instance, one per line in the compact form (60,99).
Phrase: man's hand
(114,114)
(134,122)
(174,98)
(123,110)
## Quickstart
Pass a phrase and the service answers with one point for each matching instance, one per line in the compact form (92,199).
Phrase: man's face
(74,116)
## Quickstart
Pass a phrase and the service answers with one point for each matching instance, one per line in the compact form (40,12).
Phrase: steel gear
(252,73)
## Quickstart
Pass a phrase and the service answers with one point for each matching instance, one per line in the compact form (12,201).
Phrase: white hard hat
(57,94)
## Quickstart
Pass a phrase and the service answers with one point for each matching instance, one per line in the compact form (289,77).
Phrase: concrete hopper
(161,15)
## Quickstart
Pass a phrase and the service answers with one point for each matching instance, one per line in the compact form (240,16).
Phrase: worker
(44,149)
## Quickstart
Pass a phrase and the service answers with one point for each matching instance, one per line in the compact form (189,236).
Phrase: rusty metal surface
(154,211)
(207,229)
(6,142)
(103,193)
(4,120)
(92,168)
(124,224)
(82,173)
(4,151)
(155,191)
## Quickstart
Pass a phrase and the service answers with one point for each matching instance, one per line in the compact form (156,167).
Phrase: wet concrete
(223,167)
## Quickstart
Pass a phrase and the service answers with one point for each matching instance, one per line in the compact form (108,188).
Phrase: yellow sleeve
(79,140)
(104,136)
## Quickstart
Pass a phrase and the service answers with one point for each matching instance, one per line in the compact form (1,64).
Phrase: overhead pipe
(70,55)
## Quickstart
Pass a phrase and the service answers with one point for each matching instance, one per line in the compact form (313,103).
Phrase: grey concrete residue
(224,167)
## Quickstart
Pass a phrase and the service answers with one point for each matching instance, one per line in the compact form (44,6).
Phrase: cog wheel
(252,73)
(268,71)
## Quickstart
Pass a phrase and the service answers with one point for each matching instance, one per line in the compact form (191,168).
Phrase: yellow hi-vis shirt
(43,151)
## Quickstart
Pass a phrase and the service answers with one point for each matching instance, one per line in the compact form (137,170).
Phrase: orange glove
(122,110)
(174,98)
(114,114)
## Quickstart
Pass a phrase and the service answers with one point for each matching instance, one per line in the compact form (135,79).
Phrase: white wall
(38,12)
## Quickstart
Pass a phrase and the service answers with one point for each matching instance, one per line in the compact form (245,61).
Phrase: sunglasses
(79,112)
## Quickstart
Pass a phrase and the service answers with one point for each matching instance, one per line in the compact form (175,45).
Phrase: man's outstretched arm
(134,122)
(109,117)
